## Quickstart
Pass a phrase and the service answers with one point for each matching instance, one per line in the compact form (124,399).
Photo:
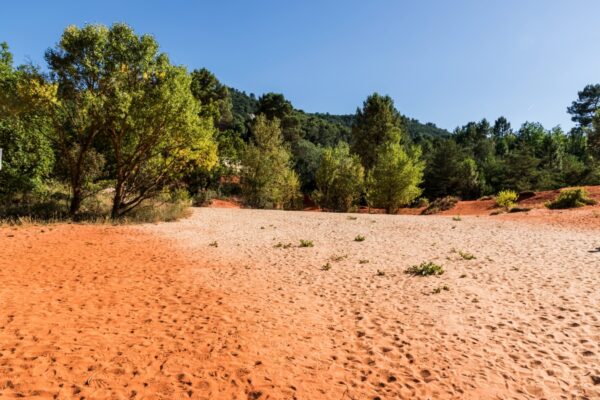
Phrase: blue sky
(447,62)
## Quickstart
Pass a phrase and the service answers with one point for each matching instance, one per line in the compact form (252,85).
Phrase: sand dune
(209,308)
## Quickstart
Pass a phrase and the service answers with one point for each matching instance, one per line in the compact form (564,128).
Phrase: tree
(214,98)
(584,108)
(378,122)
(339,179)
(267,178)
(394,180)
(593,142)
(24,128)
(118,95)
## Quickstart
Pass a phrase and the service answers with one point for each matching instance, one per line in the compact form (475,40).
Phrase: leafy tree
(378,122)
(593,141)
(584,108)
(267,178)
(118,93)
(24,128)
(394,180)
(307,157)
(214,98)
(339,179)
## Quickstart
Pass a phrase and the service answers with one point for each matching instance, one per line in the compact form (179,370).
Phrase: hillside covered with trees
(112,126)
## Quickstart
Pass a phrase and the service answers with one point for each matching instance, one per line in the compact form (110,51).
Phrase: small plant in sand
(306,243)
(463,276)
(380,273)
(466,255)
(359,238)
(326,267)
(457,218)
(363,261)
(571,198)
(440,288)
(282,245)
(507,199)
(339,258)
(214,244)
(352,218)
(425,269)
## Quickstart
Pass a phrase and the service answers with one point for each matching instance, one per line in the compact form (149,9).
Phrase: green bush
(306,243)
(506,199)
(571,198)
(441,204)
(425,269)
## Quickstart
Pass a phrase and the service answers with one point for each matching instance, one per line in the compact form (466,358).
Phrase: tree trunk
(75,200)
(117,200)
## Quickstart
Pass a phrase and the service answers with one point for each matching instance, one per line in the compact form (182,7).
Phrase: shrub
(339,179)
(425,269)
(359,238)
(326,267)
(466,255)
(306,243)
(506,199)
(441,204)
(571,198)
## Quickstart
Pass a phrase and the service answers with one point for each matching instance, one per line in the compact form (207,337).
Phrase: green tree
(584,108)
(593,139)
(267,179)
(213,96)
(24,128)
(339,179)
(119,95)
(394,180)
(378,122)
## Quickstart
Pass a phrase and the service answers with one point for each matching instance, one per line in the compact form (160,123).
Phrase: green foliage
(377,123)
(326,267)
(571,198)
(584,108)
(306,243)
(394,180)
(506,199)
(425,269)
(466,255)
(339,179)
(441,204)
(266,176)
(214,98)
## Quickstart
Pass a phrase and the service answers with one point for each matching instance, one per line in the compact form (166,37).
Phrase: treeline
(111,125)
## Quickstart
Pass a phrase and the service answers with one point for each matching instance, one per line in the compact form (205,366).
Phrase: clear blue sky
(448,62)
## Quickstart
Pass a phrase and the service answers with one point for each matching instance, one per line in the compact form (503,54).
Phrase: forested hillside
(112,126)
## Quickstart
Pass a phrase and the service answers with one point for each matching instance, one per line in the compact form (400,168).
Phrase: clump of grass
(363,261)
(359,238)
(339,258)
(352,217)
(441,204)
(326,267)
(466,255)
(214,244)
(306,243)
(380,273)
(440,288)
(571,198)
(507,199)
(457,218)
(425,269)
(282,245)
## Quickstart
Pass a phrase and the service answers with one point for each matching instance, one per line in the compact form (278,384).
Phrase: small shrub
(306,243)
(463,276)
(352,218)
(380,273)
(519,209)
(441,204)
(326,267)
(457,218)
(363,261)
(359,238)
(440,288)
(214,244)
(283,246)
(571,198)
(506,199)
(339,258)
(425,269)
(466,255)
(421,202)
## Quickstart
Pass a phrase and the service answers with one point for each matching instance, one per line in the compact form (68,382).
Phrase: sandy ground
(208,308)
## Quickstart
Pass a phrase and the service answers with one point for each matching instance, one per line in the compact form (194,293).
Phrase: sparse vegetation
(441,204)
(440,288)
(326,267)
(339,258)
(380,273)
(507,199)
(457,218)
(282,245)
(363,261)
(214,244)
(571,198)
(425,269)
(306,243)
(466,255)
(359,238)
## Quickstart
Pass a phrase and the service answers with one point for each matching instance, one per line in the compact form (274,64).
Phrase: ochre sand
(157,312)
